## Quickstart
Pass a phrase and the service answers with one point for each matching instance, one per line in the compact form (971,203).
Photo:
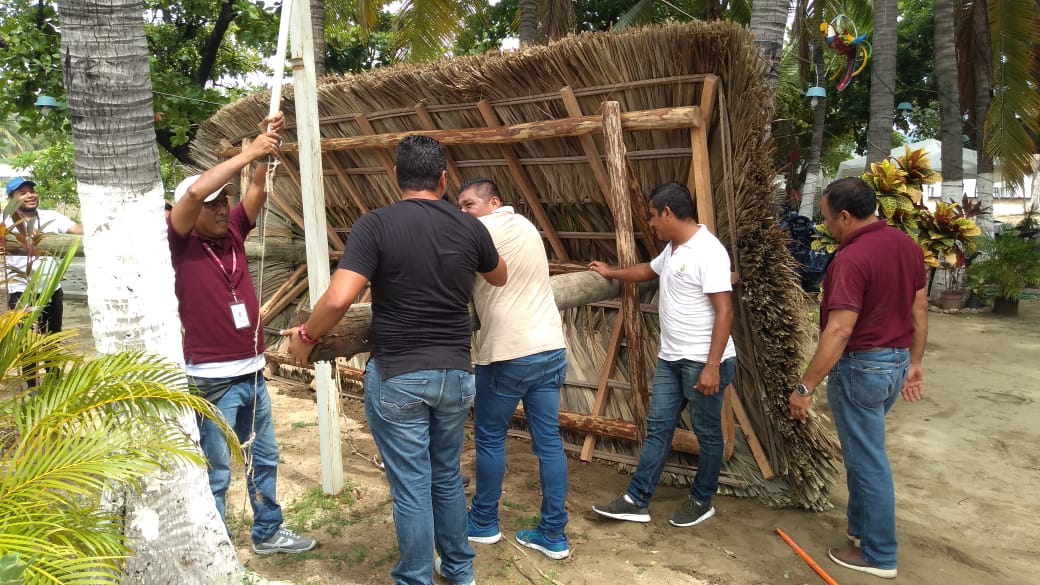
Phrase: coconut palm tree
(949,106)
(88,427)
(882,80)
(172,523)
(998,73)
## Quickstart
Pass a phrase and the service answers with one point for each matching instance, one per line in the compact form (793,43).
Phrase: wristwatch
(803,390)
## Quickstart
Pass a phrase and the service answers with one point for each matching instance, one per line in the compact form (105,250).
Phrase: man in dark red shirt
(223,335)
(874,325)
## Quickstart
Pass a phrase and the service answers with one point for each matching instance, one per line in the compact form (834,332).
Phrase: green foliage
(53,171)
(30,64)
(89,425)
(1008,264)
(12,569)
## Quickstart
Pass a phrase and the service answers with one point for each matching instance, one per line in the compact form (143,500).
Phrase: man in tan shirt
(520,355)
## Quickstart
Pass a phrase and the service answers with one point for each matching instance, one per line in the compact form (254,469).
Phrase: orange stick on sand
(805,557)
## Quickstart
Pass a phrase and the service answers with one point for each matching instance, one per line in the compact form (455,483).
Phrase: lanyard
(223,270)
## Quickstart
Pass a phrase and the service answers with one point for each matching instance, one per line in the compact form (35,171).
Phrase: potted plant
(1006,266)
(948,238)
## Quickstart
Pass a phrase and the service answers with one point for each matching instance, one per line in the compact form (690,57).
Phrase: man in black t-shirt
(420,255)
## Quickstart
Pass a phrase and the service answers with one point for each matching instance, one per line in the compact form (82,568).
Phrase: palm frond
(1013,119)
(425,28)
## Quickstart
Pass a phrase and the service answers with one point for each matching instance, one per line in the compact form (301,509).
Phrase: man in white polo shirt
(26,221)
(696,361)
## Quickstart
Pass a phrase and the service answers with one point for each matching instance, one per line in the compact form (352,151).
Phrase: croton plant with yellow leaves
(946,236)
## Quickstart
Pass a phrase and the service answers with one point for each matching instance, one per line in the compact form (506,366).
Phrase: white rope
(272,164)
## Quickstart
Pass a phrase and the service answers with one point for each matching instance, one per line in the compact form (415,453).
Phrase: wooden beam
(752,438)
(284,301)
(523,182)
(354,331)
(683,441)
(283,290)
(603,389)
(588,145)
(641,212)
(621,207)
(659,119)
(341,174)
(728,426)
(423,113)
(384,157)
(333,237)
(700,178)
(273,249)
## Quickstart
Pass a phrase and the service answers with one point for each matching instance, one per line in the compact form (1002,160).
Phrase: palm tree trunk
(949,102)
(318,32)
(172,524)
(528,22)
(768,20)
(812,190)
(882,81)
(983,87)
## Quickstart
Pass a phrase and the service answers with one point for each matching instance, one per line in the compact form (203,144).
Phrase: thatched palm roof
(644,69)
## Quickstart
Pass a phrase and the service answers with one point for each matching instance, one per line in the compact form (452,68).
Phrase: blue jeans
(536,379)
(861,389)
(246,411)
(675,388)
(417,421)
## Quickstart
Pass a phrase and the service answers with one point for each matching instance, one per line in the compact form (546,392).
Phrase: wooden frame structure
(616,178)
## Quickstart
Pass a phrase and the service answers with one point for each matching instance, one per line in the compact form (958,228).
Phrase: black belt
(868,350)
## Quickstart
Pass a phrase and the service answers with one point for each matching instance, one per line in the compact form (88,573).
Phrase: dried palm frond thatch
(644,69)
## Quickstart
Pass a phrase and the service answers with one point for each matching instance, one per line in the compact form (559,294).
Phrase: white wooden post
(313,191)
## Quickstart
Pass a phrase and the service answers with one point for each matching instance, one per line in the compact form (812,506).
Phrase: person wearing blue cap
(27,220)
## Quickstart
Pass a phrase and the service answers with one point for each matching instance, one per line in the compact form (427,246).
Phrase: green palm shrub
(90,425)
(1006,266)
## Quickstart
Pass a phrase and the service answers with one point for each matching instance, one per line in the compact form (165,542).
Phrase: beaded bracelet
(306,339)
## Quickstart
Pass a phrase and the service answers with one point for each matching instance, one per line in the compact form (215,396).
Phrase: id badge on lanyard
(239,312)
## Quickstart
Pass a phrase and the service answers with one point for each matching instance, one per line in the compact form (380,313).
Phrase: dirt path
(966,464)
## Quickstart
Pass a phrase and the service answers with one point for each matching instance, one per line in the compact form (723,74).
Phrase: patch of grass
(317,510)
(550,577)
(528,522)
(391,555)
(516,506)
(353,557)
(303,425)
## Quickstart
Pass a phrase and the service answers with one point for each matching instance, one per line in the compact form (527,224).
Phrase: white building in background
(1005,201)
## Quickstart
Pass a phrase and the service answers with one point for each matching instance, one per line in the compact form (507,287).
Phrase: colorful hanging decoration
(850,45)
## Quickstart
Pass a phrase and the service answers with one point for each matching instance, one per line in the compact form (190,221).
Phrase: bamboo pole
(620,206)
(658,119)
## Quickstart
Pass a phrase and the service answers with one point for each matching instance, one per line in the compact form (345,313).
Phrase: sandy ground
(965,460)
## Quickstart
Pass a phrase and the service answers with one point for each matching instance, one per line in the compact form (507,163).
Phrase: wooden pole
(621,207)
(683,441)
(423,113)
(523,182)
(659,119)
(599,406)
(313,189)
(353,333)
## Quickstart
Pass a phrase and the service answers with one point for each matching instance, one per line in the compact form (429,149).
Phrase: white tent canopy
(933,149)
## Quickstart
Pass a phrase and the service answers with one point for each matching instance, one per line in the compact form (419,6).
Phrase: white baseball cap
(182,188)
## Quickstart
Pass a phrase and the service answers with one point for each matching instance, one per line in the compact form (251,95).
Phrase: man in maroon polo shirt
(874,325)
(223,335)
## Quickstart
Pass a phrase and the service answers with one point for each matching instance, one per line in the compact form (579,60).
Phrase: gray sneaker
(690,513)
(284,541)
(620,509)
(437,571)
